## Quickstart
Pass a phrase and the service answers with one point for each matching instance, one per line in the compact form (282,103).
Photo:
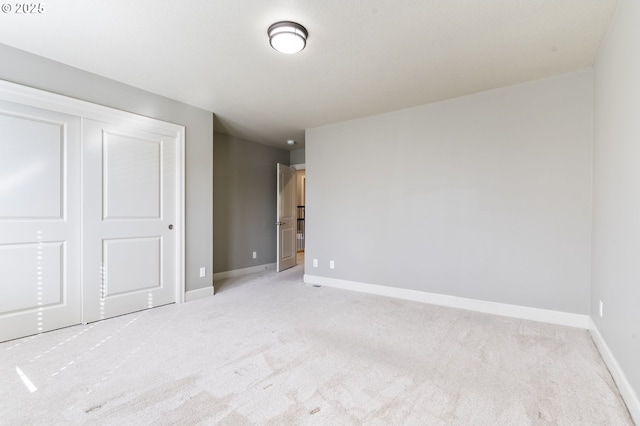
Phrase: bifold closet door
(40,283)
(130,233)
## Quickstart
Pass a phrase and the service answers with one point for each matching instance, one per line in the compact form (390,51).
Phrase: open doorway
(301,179)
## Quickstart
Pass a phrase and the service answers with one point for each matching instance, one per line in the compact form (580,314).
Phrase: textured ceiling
(362,57)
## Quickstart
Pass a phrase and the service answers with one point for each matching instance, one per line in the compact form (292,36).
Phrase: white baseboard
(514,311)
(244,271)
(627,392)
(198,293)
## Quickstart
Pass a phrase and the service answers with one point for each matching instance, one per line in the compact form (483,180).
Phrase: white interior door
(40,228)
(286,213)
(130,210)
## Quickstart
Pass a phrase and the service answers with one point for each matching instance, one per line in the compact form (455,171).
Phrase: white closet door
(40,221)
(130,210)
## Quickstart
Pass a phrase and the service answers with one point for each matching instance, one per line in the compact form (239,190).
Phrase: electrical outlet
(255,254)
(203,272)
(332,264)
(315,263)
(601,308)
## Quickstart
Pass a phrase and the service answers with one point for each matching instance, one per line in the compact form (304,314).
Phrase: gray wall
(244,198)
(34,71)
(485,197)
(297,156)
(616,214)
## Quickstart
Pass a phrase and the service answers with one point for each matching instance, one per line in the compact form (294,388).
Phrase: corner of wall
(624,386)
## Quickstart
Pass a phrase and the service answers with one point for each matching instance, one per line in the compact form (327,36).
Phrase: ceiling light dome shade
(287,37)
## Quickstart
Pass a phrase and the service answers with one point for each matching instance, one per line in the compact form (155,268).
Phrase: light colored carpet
(268,349)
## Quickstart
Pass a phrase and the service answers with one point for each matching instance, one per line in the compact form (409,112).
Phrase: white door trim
(72,106)
(51,101)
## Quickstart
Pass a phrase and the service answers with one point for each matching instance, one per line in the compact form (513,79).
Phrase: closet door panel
(130,230)
(40,222)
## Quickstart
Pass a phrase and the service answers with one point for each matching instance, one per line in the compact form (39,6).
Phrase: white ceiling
(362,57)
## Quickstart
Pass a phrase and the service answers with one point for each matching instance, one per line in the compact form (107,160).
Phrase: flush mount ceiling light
(287,37)
(291,142)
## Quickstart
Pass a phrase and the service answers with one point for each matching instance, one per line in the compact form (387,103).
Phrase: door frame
(298,167)
(24,95)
